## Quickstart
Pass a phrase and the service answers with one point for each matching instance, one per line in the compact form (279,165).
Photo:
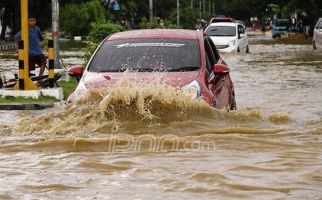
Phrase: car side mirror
(76,71)
(220,69)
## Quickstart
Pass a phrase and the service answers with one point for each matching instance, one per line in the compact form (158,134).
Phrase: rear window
(146,55)
(221,31)
(283,23)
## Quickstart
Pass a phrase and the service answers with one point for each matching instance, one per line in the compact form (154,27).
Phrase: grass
(68,87)
(69,45)
(23,100)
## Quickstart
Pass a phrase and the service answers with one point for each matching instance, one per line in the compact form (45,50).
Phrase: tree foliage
(77,15)
(76,18)
(99,31)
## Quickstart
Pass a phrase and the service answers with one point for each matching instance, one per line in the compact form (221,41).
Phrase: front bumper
(227,49)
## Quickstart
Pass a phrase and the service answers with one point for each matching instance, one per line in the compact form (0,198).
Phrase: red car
(188,59)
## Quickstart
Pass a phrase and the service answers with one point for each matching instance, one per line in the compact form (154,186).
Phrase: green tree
(76,18)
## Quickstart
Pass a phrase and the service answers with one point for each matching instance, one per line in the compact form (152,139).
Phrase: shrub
(145,24)
(98,32)
(76,18)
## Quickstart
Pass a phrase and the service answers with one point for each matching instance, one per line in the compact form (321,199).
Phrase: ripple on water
(269,149)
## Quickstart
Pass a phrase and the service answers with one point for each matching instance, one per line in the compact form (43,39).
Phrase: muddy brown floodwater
(149,141)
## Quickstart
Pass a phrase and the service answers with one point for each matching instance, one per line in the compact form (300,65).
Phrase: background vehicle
(184,59)
(228,36)
(280,27)
(317,35)
(221,18)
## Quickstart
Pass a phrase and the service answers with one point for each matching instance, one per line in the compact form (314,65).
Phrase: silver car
(317,35)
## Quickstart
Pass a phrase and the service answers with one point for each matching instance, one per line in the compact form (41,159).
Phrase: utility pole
(213,8)
(209,6)
(204,6)
(55,30)
(25,83)
(199,9)
(191,4)
(150,10)
(178,13)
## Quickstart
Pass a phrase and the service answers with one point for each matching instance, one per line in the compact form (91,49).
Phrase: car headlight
(192,90)
(232,43)
(80,90)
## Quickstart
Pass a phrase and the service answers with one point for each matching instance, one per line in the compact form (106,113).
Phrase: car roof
(221,19)
(224,24)
(157,33)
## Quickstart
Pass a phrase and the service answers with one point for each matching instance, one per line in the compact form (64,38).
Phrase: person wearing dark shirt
(36,56)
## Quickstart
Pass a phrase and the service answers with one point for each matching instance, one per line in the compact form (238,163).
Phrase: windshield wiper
(130,70)
(144,69)
(183,69)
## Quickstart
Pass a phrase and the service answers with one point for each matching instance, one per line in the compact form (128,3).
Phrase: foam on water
(135,104)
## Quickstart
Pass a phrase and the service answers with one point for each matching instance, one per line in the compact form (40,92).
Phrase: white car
(317,35)
(228,36)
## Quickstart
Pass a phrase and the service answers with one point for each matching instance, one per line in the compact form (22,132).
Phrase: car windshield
(221,20)
(221,31)
(282,23)
(319,26)
(145,55)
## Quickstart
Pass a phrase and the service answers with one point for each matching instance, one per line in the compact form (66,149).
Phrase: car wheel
(247,49)
(314,45)
(238,50)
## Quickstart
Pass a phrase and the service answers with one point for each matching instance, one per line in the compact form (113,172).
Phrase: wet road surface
(119,147)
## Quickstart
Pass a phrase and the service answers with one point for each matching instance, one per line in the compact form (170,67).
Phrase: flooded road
(157,143)
(9,63)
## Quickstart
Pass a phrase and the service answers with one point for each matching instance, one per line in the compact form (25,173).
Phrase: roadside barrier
(51,73)
(21,65)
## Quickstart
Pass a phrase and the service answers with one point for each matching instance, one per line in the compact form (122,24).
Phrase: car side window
(210,55)
(319,26)
(208,66)
(241,29)
(214,50)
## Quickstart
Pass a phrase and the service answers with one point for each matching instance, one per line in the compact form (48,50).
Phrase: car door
(210,62)
(245,38)
(318,34)
(219,85)
(241,37)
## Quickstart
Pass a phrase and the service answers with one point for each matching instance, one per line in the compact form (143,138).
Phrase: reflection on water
(148,141)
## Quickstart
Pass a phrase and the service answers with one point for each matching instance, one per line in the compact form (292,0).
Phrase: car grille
(221,46)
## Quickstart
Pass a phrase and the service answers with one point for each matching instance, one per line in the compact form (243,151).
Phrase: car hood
(220,40)
(175,79)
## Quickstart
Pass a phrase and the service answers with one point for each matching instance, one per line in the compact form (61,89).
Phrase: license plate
(284,35)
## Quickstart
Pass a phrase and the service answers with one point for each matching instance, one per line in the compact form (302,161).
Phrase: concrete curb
(31,106)
(57,93)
